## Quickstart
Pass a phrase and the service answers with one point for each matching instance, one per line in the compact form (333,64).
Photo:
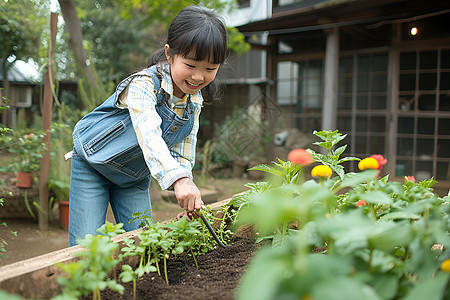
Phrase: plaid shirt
(167,165)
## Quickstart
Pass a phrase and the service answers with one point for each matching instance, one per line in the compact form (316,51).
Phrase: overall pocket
(130,162)
(102,139)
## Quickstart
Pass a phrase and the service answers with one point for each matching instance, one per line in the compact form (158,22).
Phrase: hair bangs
(204,43)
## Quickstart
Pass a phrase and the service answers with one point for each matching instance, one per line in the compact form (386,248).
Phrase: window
(22,96)
(300,93)
(362,103)
(243,3)
(423,134)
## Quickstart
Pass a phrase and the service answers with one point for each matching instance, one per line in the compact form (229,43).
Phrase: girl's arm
(186,192)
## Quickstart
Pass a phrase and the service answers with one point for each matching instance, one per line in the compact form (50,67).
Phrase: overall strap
(152,72)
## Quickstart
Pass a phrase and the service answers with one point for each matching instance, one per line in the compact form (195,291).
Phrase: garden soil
(217,278)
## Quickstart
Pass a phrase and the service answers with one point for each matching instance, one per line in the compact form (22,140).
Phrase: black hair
(196,33)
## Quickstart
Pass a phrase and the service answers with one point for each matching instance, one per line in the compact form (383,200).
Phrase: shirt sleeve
(166,165)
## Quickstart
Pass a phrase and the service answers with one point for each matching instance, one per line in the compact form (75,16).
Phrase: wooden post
(393,88)
(331,81)
(49,78)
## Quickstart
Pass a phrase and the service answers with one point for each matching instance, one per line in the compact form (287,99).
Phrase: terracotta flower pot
(64,214)
(24,180)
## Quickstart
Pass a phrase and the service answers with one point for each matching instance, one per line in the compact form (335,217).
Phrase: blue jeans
(90,194)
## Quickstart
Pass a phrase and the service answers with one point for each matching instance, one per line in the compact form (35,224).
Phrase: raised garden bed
(219,273)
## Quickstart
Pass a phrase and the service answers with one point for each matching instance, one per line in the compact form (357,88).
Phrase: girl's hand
(188,215)
(187,194)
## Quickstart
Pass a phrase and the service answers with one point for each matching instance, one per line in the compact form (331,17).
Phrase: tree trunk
(6,114)
(73,26)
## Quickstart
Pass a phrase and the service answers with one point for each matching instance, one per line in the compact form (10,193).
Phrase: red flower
(410,178)
(300,156)
(360,203)
(380,159)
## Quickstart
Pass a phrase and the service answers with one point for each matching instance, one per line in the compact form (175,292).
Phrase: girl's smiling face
(189,75)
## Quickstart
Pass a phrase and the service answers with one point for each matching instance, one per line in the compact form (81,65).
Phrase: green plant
(146,220)
(221,219)
(59,189)
(184,234)
(149,249)
(3,131)
(159,241)
(61,143)
(205,242)
(36,205)
(156,242)
(26,149)
(127,275)
(111,230)
(89,273)
(353,237)
(3,243)
(6,295)
(332,158)
(131,249)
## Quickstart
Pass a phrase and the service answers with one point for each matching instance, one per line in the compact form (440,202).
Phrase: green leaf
(348,230)
(326,145)
(268,169)
(385,285)
(6,295)
(127,274)
(400,215)
(338,169)
(259,283)
(376,197)
(354,179)
(339,151)
(387,236)
(348,158)
(428,183)
(338,288)
(431,289)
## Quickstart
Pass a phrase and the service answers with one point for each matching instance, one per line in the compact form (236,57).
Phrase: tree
(163,11)
(75,40)
(120,35)
(20,32)
(117,46)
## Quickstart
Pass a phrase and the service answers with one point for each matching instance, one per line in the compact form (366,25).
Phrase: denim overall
(108,165)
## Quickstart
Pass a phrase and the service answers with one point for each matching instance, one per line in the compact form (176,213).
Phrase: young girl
(147,127)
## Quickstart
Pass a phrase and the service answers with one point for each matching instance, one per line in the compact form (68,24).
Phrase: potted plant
(59,176)
(26,152)
(59,189)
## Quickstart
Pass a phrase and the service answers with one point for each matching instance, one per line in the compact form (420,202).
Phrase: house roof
(312,15)
(20,73)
